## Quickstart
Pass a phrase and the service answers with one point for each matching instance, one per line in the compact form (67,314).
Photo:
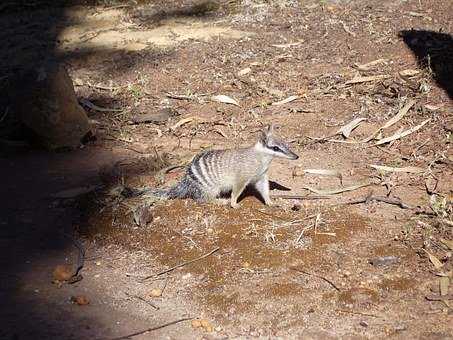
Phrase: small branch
(144,300)
(358,313)
(80,258)
(183,264)
(318,276)
(300,197)
(147,330)
(388,200)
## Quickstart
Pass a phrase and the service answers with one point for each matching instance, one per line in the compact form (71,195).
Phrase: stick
(388,200)
(318,276)
(183,264)
(147,330)
(358,313)
(81,255)
(300,197)
(144,300)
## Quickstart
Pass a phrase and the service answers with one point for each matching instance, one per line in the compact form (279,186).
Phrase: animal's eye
(276,148)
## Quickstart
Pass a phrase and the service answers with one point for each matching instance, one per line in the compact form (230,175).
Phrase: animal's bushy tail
(179,190)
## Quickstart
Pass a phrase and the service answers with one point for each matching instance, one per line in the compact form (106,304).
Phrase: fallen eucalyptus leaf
(287,100)
(324,172)
(434,260)
(411,169)
(244,71)
(370,65)
(182,122)
(448,243)
(358,80)
(399,115)
(402,134)
(337,191)
(347,129)
(221,98)
(444,282)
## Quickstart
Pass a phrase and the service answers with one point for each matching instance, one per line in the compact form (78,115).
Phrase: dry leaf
(444,282)
(288,45)
(411,169)
(347,129)
(432,107)
(358,80)
(399,115)
(221,98)
(337,191)
(402,134)
(244,71)
(434,260)
(94,107)
(448,243)
(409,73)
(220,132)
(182,122)
(324,172)
(287,100)
(156,292)
(402,112)
(368,66)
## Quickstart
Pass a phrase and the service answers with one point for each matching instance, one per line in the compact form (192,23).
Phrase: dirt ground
(306,267)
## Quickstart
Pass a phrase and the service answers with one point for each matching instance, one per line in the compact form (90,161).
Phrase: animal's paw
(234,205)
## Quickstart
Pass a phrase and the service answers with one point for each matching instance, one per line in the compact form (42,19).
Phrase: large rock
(46,103)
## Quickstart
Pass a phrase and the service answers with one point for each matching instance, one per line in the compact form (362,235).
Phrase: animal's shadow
(251,191)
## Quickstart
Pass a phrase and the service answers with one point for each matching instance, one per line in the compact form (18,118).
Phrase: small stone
(46,103)
(196,323)
(80,300)
(207,325)
(296,207)
(384,261)
(62,273)
(363,324)
(187,276)
(156,292)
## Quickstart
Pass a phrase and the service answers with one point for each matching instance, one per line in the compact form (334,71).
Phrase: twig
(178,96)
(358,313)
(318,276)
(147,330)
(144,300)
(346,29)
(81,255)
(388,200)
(300,197)
(5,114)
(102,87)
(183,264)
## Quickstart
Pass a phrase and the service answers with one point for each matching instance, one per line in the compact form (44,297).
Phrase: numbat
(212,173)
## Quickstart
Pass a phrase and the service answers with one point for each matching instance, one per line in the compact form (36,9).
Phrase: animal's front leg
(238,188)
(262,186)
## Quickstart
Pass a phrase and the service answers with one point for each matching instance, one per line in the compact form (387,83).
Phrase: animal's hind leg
(238,188)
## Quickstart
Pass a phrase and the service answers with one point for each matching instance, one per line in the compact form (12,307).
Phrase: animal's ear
(266,133)
(270,129)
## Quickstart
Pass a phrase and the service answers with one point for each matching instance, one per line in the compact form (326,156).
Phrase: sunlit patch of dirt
(358,297)
(396,283)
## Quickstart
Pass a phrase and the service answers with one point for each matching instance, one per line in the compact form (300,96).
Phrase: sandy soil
(302,268)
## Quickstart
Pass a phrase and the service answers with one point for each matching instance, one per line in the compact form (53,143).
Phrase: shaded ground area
(303,268)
